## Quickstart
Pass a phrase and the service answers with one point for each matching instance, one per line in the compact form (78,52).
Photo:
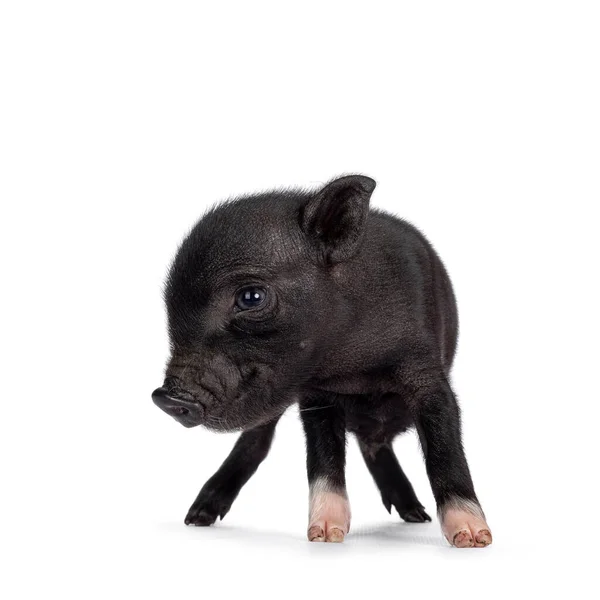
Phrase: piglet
(315,298)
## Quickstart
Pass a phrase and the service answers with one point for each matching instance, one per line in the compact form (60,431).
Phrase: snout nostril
(162,399)
(177,407)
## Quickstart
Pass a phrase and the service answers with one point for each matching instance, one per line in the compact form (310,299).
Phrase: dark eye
(250,297)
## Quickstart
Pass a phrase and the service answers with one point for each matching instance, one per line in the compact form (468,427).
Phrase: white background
(122,121)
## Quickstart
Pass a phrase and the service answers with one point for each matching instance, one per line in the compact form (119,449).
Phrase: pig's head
(252,303)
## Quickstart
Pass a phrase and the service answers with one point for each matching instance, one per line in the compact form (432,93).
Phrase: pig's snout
(188,413)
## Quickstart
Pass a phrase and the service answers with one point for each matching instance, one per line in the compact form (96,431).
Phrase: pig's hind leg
(396,490)
(324,427)
(219,492)
(437,417)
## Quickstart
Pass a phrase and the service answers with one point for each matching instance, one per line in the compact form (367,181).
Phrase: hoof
(329,519)
(209,505)
(415,515)
(464,525)
(316,533)
(200,518)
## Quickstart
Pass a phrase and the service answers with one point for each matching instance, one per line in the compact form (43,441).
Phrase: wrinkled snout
(188,413)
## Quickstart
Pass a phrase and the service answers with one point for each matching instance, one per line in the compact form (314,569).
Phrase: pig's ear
(335,218)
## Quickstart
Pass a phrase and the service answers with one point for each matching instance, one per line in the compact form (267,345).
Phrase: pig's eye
(250,297)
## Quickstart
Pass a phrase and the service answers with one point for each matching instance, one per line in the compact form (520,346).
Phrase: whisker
(315,408)
(185,368)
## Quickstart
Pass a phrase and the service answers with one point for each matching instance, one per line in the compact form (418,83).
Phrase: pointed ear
(335,218)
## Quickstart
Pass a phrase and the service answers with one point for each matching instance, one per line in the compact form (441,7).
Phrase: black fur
(359,324)
(219,492)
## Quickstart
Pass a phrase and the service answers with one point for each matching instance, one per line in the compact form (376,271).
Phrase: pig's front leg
(437,418)
(324,427)
(219,492)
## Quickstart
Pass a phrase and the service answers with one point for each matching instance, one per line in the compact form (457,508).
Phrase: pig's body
(411,308)
(401,282)
(312,296)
